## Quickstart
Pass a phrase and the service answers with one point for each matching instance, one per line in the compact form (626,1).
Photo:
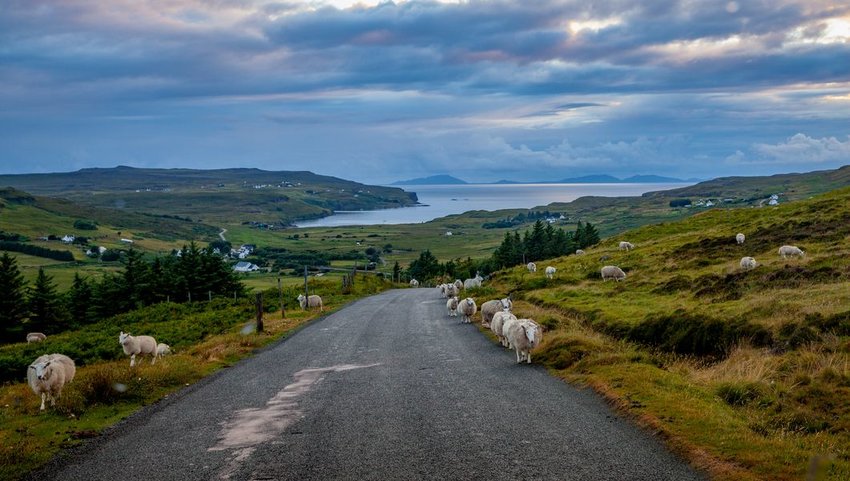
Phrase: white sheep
(613,272)
(474,282)
(414,283)
(524,335)
(163,349)
(451,290)
(740,238)
(458,284)
(468,308)
(48,374)
(137,345)
(451,305)
(748,263)
(442,288)
(532,267)
(312,301)
(579,252)
(550,272)
(792,251)
(626,246)
(498,323)
(490,308)
(36,337)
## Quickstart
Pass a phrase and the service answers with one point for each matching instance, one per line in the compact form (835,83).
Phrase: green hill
(746,372)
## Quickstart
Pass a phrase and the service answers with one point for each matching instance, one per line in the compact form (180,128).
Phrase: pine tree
(13,309)
(396,271)
(46,313)
(425,268)
(78,301)
(591,235)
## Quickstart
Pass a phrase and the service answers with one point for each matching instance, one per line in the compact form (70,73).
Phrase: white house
(68,239)
(245,267)
(127,241)
(449,233)
(773,201)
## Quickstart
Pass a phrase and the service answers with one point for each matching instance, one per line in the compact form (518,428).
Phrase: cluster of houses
(243,251)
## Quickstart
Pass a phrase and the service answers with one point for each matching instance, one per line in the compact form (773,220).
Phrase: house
(245,266)
(127,241)
(68,239)
(449,233)
(773,201)
(709,204)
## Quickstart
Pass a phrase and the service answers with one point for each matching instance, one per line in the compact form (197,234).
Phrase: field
(747,373)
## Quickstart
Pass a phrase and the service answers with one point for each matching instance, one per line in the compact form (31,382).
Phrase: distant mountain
(511,182)
(652,179)
(591,179)
(431,180)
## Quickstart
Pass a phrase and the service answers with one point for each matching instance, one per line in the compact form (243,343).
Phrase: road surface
(387,388)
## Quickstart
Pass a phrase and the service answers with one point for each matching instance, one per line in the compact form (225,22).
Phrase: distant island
(442,179)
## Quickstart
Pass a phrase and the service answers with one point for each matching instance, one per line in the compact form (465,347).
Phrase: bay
(442,200)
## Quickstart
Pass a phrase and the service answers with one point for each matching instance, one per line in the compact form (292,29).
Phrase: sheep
(498,323)
(748,263)
(163,349)
(579,252)
(740,238)
(442,288)
(532,267)
(490,308)
(451,290)
(312,301)
(550,272)
(524,335)
(458,284)
(786,251)
(506,325)
(626,246)
(451,306)
(48,374)
(137,345)
(36,337)
(414,283)
(474,282)
(468,308)
(613,272)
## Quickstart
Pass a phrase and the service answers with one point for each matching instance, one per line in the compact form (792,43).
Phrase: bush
(85,224)
(741,393)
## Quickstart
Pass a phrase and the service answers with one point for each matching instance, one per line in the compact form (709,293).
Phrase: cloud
(799,149)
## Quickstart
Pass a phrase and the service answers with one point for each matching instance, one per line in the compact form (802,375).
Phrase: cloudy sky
(378,91)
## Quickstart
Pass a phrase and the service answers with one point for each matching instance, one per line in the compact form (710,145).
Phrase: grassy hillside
(746,373)
(223,196)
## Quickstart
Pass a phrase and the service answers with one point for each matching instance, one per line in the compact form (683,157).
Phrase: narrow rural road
(221,234)
(387,388)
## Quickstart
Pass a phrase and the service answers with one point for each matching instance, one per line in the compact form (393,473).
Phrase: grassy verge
(746,373)
(106,390)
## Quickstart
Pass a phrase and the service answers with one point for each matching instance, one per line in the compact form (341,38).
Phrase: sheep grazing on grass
(312,301)
(414,283)
(140,345)
(524,335)
(740,238)
(498,323)
(791,251)
(579,252)
(748,263)
(550,272)
(490,308)
(626,246)
(458,284)
(532,267)
(163,349)
(48,374)
(468,308)
(36,337)
(613,272)
(451,306)
(474,282)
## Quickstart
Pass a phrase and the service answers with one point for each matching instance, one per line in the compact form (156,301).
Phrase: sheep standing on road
(36,337)
(48,374)
(748,263)
(414,283)
(451,290)
(498,323)
(137,345)
(468,308)
(451,305)
(626,246)
(524,335)
(740,238)
(490,308)
(613,272)
(532,267)
(312,301)
(791,251)
(550,272)
(458,284)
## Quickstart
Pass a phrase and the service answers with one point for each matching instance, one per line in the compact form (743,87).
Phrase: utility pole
(259,312)
(280,293)
(306,290)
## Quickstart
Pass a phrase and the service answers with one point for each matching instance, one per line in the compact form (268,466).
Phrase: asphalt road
(387,388)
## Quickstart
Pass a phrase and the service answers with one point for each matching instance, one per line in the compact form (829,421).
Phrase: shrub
(740,393)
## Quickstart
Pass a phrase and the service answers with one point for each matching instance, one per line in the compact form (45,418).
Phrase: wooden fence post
(280,293)
(259,312)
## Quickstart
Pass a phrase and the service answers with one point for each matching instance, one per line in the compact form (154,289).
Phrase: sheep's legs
(528,357)
(132,360)
(43,397)
(153,358)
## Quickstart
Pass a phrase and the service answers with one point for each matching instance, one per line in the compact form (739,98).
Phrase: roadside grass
(746,374)
(106,390)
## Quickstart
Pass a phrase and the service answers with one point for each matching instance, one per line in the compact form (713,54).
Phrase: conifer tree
(13,308)
(46,313)
(78,301)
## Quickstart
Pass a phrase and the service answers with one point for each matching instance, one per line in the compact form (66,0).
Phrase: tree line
(40,307)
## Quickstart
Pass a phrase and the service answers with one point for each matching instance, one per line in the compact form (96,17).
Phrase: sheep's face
(506,304)
(531,332)
(123,338)
(41,371)
(300,297)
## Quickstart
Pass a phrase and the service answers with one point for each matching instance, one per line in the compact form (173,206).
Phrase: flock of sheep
(749,263)
(521,335)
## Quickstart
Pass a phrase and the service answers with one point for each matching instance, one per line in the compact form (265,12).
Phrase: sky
(380,91)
